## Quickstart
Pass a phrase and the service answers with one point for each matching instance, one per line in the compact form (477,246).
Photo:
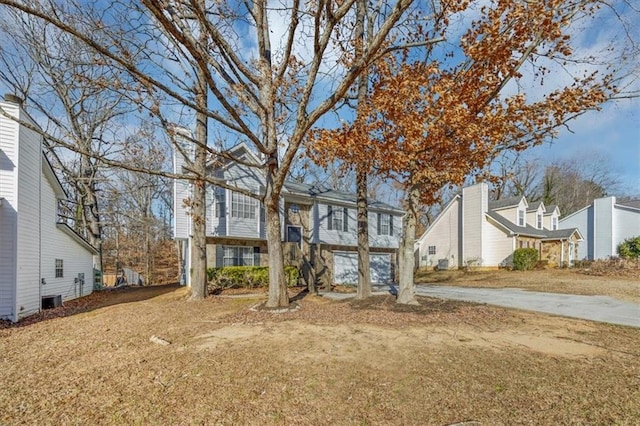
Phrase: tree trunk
(89,206)
(278,295)
(364,271)
(407,291)
(198,203)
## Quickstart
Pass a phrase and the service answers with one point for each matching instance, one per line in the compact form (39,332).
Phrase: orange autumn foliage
(431,123)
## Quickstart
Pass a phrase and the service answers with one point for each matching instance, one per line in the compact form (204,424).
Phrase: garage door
(345,267)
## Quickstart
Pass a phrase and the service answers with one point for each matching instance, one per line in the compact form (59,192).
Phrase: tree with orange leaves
(433,121)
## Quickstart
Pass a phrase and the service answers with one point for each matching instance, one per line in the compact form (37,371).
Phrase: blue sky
(612,135)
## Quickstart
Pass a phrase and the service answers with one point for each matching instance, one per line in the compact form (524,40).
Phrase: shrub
(246,277)
(630,248)
(525,259)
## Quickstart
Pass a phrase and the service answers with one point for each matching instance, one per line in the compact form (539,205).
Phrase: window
(218,202)
(59,268)
(238,256)
(539,219)
(385,224)
(294,208)
(242,206)
(338,218)
(432,250)
(520,217)
(554,223)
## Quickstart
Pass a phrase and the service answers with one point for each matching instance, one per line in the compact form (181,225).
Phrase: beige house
(472,231)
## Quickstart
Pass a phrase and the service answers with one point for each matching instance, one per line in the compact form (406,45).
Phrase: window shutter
(391,225)
(379,220)
(345,221)
(256,256)
(330,217)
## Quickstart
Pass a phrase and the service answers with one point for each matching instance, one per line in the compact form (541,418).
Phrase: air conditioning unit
(443,264)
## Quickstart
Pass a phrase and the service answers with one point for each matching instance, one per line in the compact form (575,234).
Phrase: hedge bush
(246,277)
(630,248)
(525,259)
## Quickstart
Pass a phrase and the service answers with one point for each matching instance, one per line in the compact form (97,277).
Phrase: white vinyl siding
(474,206)
(28,234)
(626,224)
(8,211)
(444,235)
(498,246)
(57,245)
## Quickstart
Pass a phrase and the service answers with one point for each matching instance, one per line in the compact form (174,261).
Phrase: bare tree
(73,99)
(265,90)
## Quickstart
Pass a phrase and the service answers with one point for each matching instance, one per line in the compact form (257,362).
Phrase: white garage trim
(345,267)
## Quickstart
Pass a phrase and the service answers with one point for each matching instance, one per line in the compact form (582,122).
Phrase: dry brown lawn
(329,362)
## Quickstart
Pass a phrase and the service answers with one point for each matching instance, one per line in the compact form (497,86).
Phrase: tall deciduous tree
(263,88)
(435,119)
(73,98)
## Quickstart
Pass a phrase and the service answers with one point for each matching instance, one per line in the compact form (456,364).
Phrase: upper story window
(59,268)
(338,218)
(554,223)
(243,206)
(520,217)
(385,224)
(539,221)
(432,250)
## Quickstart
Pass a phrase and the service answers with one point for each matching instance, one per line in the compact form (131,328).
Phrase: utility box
(51,301)
(443,264)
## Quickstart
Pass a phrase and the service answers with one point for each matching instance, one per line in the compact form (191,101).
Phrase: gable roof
(503,203)
(551,208)
(530,231)
(320,192)
(535,206)
(634,204)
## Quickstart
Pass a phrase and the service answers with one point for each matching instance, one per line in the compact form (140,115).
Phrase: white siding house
(471,231)
(320,221)
(38,256)
(604,223)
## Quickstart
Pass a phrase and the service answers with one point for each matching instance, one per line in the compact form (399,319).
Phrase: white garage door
(345,267)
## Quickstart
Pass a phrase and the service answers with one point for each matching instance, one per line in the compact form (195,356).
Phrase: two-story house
(472,231)
(41,258)
(318,225)
(605,223)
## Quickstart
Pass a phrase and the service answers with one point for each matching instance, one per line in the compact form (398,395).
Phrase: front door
(294,235)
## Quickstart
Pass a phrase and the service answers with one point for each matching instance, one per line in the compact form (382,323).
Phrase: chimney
(13,99)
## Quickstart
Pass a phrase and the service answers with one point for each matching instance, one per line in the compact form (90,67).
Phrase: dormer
(535,214)
(513,209)
(551,217)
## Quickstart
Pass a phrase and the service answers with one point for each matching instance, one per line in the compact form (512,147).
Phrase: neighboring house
(40,258)
(318,225)
(471,231)
(604,224)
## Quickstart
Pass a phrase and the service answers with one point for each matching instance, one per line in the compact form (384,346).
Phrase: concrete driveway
(594,308)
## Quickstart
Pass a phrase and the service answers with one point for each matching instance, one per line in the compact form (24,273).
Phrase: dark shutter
(256,256)
(330,217)
(391,225)
(379,220)
(345,221)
